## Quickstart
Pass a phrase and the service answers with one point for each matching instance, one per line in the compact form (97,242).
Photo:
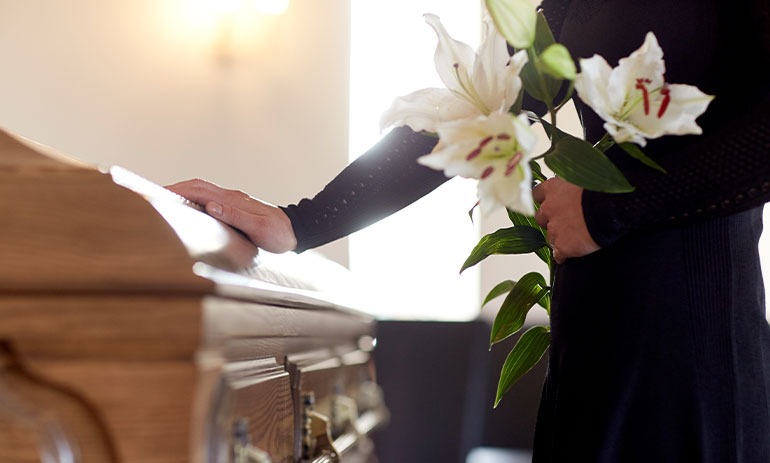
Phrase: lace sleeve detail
(717,175)
(382,181)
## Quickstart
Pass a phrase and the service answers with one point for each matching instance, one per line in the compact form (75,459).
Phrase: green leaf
(576,161)
(543,35)
(537,171)
(530,77)
(545,302)
(522,220)
(557,62)
(637,153)
(524,355)
(518,218)
(515,240)
(470,212)
(556,134)
(499,290)
(510,318)
(515,19)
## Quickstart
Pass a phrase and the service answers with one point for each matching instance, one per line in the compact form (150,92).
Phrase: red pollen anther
(485,141)
(640,84)
(487,172)
(512,163)
(473,154)
(666,92)
(503,136)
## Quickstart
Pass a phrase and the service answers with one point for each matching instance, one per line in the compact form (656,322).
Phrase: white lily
(495,149)
(477,83)
(634,99)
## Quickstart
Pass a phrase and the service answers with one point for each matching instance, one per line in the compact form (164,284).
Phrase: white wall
(158,86)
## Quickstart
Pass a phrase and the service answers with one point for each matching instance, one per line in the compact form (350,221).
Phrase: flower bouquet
(484,134)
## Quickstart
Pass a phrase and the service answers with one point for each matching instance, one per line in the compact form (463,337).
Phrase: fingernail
(215,209)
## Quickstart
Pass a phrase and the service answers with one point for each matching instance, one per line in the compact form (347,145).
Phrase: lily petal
(452,57)
(635,101)
(489,70)
(592,85)
(483,148)
(644,63)
(513,192)
(425,109)
(687,103)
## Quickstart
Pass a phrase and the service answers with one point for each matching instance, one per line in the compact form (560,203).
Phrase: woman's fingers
(265,225)
(561,214)
(203,192)
(229,214)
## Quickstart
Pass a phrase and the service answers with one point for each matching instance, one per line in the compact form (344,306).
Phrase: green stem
(604,143)
(553,123)
(532,55)
(567,96)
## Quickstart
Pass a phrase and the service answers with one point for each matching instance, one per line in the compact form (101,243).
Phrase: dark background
(440,382)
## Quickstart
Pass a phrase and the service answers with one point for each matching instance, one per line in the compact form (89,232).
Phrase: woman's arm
(382,181)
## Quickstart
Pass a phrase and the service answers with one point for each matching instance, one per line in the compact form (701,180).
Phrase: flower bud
(516,21)
(557,62)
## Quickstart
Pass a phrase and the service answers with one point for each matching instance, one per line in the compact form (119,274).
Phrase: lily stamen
(513,163)
(469,92)
(666,92)
(641,85)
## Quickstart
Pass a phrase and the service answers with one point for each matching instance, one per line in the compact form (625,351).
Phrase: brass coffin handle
(351,428)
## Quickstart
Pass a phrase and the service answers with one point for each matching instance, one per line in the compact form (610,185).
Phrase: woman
(660,348)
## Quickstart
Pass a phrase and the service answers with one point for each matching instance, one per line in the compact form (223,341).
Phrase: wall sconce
(234,6)
(229,16)
(271,6)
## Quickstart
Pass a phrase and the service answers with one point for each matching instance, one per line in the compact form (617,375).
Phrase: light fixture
(229,7)
(271,6)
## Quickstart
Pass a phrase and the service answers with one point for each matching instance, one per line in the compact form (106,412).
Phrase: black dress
(660,347)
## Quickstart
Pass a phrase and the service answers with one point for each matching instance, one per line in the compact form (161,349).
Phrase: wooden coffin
(136,328)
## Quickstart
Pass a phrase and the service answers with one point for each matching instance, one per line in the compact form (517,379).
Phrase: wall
(166,89)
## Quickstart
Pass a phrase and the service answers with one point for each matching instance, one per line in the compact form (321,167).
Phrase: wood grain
(58,235)
(129,327)
(109,333)
(227,319)
(38,417)
(260,392)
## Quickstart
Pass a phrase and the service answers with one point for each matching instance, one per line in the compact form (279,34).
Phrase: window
(414,256)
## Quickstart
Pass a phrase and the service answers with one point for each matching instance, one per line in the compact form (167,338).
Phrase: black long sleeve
(384,180)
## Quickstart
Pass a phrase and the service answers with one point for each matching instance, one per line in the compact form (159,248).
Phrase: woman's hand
(266,225)
(561,214)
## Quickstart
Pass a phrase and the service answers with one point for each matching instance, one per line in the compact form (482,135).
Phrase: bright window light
(413,256)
